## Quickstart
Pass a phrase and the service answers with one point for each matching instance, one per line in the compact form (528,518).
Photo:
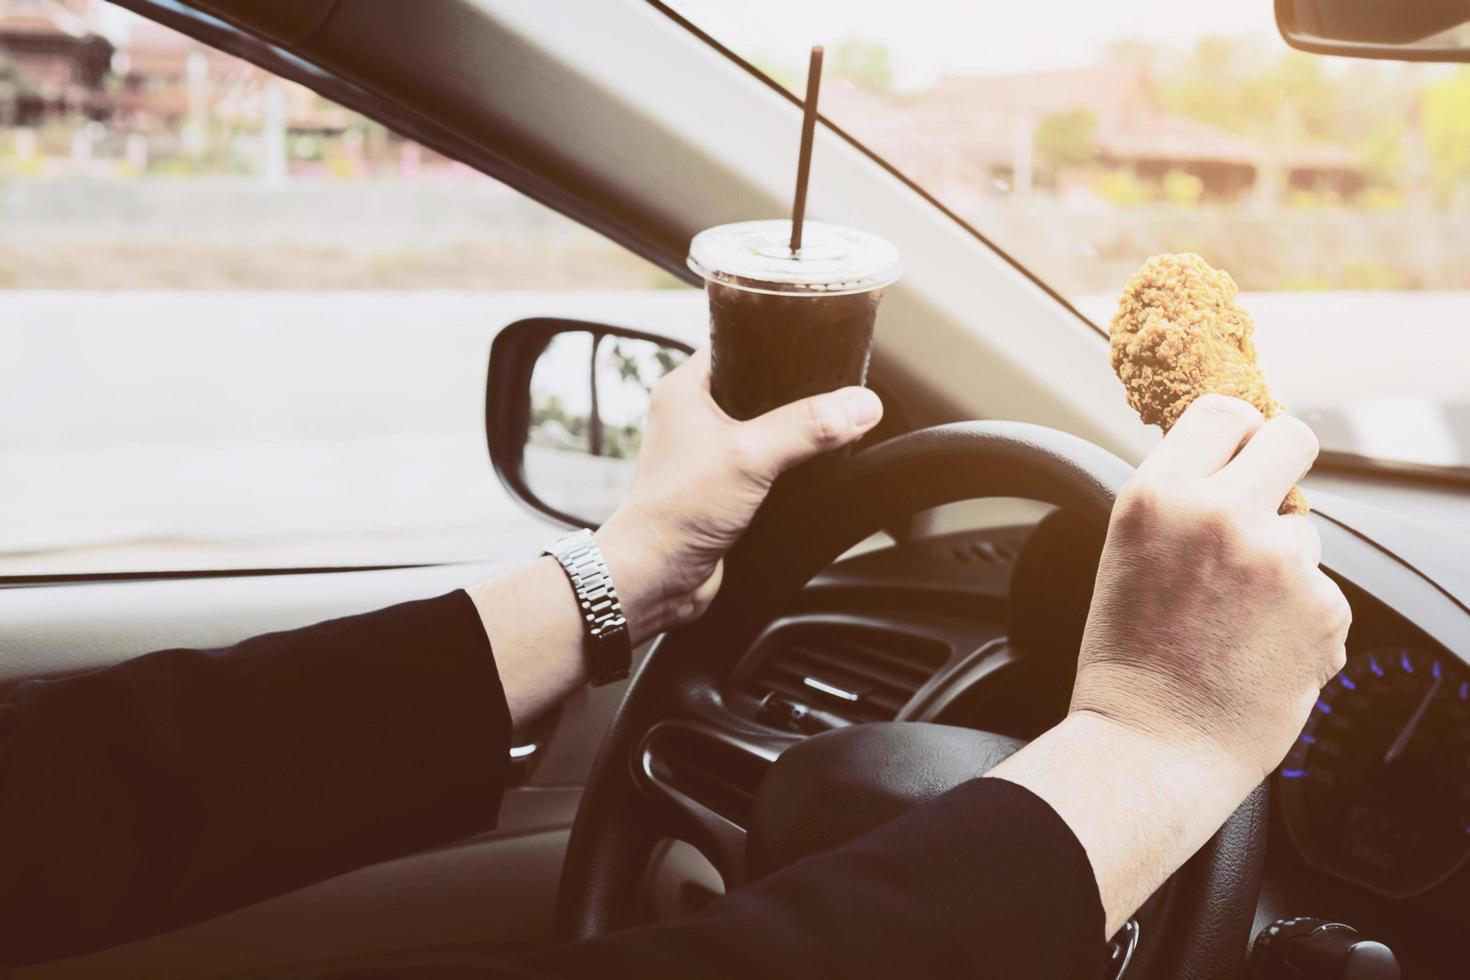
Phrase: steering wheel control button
(1314,949)
(609,648)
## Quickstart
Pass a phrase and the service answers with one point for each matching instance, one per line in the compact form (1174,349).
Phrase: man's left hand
(701,476)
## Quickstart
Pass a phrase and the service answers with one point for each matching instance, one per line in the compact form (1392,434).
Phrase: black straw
(808,131)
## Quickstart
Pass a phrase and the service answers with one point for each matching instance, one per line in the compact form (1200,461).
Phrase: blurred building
(972,136)
(52,63)
(164,76)
(165,100)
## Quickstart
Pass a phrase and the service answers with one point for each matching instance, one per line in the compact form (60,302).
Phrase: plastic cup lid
(757,255)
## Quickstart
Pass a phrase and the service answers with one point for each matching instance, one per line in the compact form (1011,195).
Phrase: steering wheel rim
(1210,902)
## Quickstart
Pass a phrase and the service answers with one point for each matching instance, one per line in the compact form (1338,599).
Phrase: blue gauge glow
(1377,787)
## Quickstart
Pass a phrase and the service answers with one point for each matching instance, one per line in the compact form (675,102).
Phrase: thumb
(794,433)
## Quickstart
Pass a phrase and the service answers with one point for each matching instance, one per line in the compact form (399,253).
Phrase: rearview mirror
(566,402)
(1404,30)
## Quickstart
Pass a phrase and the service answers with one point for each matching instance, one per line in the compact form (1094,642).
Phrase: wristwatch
(609,648)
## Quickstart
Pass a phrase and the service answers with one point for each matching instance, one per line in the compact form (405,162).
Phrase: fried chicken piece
(1178,334)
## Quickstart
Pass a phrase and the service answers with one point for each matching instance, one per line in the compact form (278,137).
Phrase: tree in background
(1382,151)
(12,89)
(1285,98)
(1292,98)
(1181,190)
(1064,139)
(1205,85)
(863,61)
(866,62)
(1446,122)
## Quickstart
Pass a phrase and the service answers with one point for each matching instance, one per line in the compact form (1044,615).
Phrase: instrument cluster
(1376,789)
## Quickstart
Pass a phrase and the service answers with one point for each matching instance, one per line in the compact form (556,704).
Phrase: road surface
(197,429)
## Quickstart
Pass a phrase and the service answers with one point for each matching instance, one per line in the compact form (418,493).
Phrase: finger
(1205,437)
(684,382)
(694,372)
(1277,456)
(706,592)
(788,435)
(1308,540)
(1337,617)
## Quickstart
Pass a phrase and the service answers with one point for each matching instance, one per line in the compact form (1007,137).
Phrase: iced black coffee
(783,324)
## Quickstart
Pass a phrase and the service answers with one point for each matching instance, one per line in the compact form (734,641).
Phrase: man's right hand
(1211,622)
(1211,632)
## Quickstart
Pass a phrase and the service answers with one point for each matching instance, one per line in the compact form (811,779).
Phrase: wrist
(1167,748)
(1138,803)
(652,601)
(1171,752)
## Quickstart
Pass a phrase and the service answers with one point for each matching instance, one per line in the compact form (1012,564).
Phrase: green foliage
(1123,187)
(1382,150)
(1367,274)
(862,61)
(1304,283)
(12,87)
(548,407)
(1380,199)
(1446,121)
(1292,100)
(777,72)
(1309,199)
(1181,189)
(1064,139)
(627,366)
(1299,103)
(1206,87)
(176,167)
(1353,274)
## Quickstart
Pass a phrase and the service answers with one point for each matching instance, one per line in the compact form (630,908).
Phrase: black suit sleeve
(186,783)
(984,883)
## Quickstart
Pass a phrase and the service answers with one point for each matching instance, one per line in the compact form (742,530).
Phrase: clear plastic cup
(785,325)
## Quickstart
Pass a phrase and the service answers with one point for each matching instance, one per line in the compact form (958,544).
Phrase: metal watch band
(609,648)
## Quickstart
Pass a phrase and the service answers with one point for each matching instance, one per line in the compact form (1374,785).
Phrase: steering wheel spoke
(704,777)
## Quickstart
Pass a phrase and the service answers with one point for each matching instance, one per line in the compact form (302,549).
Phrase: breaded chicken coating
(1178,334)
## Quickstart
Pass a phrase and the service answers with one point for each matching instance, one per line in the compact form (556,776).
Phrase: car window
(244,327)
(1083,138)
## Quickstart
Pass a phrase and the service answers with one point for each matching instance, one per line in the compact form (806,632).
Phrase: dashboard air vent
(849,672)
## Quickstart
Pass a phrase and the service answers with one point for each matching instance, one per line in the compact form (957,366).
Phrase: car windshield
(1082,138)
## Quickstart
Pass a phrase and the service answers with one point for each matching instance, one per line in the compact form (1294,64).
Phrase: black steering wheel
(678,762)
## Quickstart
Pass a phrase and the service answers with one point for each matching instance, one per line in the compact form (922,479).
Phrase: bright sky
(931,37)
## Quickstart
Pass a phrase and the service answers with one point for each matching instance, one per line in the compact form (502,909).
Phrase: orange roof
(1163,136)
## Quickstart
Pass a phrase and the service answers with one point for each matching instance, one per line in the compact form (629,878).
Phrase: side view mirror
(566,402)
(1404,30)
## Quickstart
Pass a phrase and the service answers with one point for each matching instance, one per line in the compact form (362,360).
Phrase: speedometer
(1377,788)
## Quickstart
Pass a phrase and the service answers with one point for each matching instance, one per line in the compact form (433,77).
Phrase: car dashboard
(1370,810)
